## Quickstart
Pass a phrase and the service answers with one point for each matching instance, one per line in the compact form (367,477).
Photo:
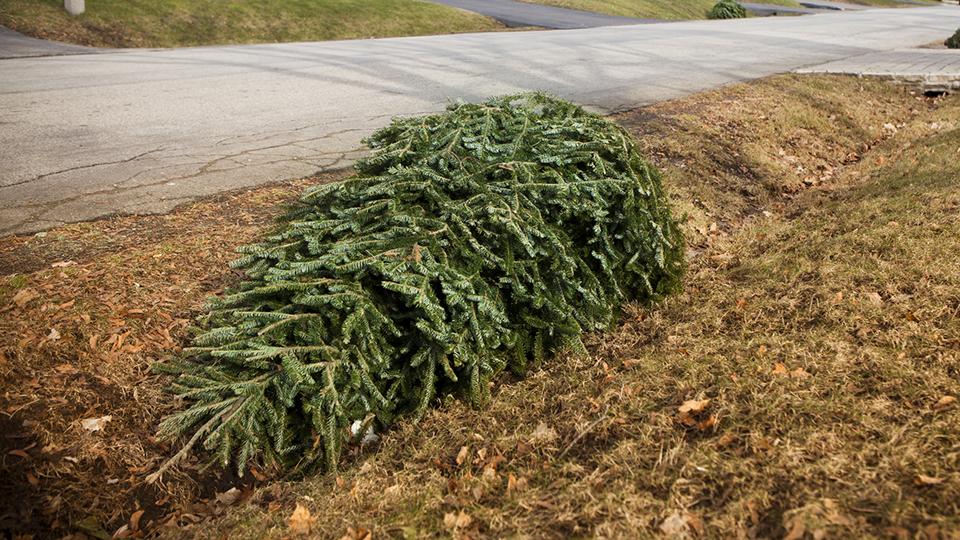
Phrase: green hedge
(727,9)
(467,243)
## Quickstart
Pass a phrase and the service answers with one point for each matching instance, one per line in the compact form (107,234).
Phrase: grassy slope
(173,23)
(824,333)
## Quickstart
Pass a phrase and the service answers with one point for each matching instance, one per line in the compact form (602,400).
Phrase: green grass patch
(178,23)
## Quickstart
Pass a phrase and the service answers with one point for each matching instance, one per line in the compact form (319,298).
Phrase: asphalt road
(86,136)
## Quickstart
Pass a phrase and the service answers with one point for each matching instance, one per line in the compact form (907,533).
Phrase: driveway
(86,136)
(765,10)
(16,45)
(514,13)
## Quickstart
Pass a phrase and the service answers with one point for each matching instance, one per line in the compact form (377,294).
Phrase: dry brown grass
(85,309)
(825,336)
(820,320)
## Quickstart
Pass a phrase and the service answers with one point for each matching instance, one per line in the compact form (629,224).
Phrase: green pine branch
(469,242)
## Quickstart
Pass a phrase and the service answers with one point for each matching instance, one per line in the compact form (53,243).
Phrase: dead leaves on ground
(457,520)
(301,522)
(95,424)
(24,296)
(924,480)
(944,403)
(780,370)
(694,414)
(543,434)
(681,524)
(816,519)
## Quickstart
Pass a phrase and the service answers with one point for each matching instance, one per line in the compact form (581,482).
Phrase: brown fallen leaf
(228,497)
(924,480)
(543,433)
(95,424)
(511,483)
(262,477)
(694,406)
(24,296)
(780,369)
(796,531)
(19,453)
(676,525)
(462,455)
(452,520)
(300,521)
(707,424)
(359,533)
(944,402)
(690,414)
(135,520)
(726,440)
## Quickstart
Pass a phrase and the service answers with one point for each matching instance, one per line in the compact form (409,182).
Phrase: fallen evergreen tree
(467,243)
(953,42)
(727,9)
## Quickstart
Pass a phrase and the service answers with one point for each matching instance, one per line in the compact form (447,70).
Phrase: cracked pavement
(142,131)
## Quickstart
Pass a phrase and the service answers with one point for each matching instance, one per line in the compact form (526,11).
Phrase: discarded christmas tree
(953,42)
(467,243)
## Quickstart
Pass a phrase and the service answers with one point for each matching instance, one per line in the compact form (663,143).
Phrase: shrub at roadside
(469,242)
(727,9)
(953,42)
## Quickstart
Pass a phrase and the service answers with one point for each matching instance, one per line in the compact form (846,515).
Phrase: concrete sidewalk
(933,70)
(90,135)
